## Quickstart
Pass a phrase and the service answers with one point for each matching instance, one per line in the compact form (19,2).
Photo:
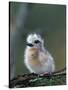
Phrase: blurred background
(48,20)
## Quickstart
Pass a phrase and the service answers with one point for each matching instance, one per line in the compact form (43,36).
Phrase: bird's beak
(29,44)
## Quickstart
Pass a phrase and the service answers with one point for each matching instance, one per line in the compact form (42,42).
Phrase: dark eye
(36,41)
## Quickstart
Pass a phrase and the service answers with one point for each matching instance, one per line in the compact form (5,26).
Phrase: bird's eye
(36,41)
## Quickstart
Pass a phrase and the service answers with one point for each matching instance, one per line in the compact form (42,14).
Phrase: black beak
(29,44)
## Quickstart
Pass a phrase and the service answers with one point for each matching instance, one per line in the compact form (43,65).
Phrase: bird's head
(35,41)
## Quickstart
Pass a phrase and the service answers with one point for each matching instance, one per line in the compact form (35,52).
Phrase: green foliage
(35,80)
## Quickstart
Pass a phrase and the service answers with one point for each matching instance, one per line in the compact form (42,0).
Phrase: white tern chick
(37,59)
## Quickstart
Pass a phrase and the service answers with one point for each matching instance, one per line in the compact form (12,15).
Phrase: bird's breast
(33,57)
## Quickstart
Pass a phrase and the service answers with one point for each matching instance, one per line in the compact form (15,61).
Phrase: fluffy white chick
(37,59)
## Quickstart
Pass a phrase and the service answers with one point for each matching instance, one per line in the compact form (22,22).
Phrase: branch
(23,80)
(59,71)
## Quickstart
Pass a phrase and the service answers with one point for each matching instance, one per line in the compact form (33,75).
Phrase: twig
(59,71)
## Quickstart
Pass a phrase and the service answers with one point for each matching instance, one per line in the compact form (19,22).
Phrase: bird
(37,58)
